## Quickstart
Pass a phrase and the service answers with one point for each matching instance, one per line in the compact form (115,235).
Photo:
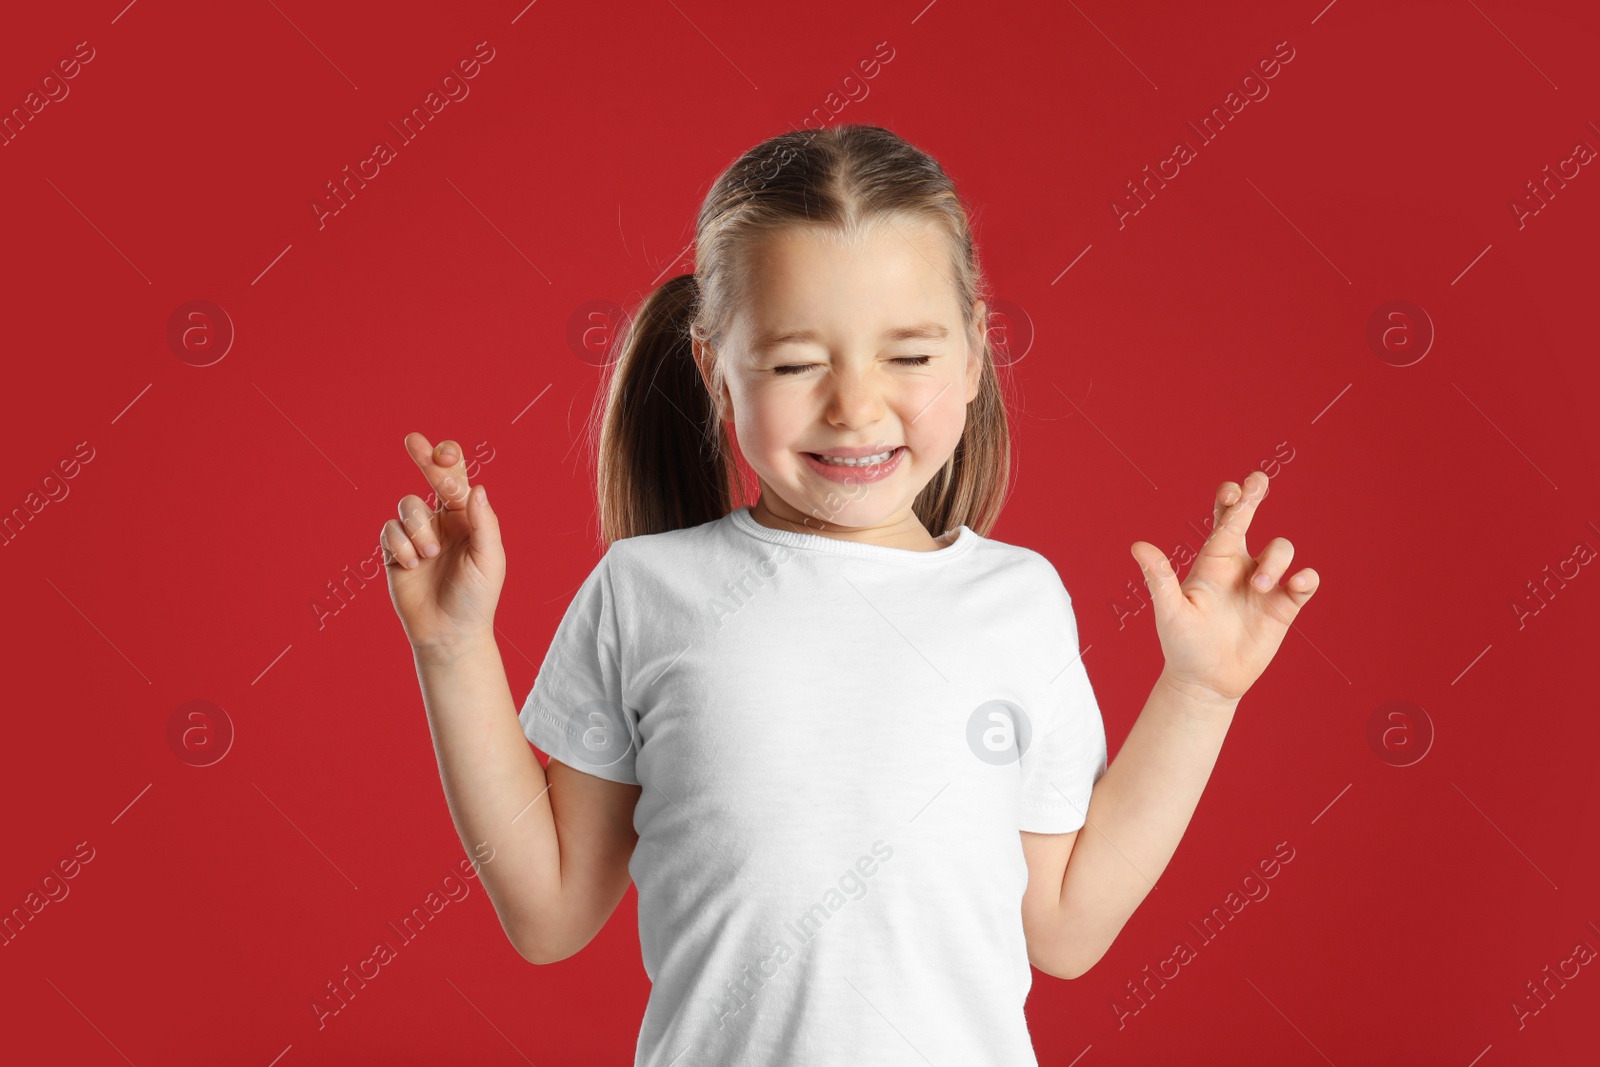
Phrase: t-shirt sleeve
(1068,753)
(575,711)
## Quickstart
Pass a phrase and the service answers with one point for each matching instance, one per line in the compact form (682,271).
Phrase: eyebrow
(925,331)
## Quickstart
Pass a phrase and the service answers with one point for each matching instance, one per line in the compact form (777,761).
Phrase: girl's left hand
(1220,628)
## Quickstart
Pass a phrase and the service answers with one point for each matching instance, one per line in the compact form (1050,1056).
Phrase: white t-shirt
(829,868)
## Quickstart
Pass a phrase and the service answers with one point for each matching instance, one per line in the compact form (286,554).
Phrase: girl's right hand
(445,567)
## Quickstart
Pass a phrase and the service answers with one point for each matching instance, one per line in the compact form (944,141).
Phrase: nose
(856,398)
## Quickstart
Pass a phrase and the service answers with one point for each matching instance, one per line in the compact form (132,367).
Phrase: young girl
(840,739)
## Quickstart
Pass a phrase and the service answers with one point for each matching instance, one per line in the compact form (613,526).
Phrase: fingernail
(1263,581)
(431,551)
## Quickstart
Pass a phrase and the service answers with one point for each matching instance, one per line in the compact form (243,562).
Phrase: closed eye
(801,368)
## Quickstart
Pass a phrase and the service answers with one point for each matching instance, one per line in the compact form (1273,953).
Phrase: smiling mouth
(866,461)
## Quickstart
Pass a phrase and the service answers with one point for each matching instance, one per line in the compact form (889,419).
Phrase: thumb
(1159,577)
(485,525)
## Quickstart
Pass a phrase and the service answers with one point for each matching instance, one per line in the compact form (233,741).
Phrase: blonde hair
(664,459)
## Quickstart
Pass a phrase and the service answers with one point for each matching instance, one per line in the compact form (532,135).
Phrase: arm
(561,841)
(1084,886)
(1219,629)
(559,846)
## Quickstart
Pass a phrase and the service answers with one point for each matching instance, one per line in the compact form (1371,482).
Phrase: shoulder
(1024,563)
(642,557)
(1032,587)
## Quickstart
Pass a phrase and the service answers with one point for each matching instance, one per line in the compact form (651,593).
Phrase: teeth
(865,461)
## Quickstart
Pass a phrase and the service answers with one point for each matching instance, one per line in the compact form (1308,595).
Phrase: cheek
(769,424)
(939,416)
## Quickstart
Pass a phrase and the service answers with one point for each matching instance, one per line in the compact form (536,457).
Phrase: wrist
(1202,701)
(447,650)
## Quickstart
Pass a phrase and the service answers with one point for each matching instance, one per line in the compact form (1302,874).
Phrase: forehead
(889,272)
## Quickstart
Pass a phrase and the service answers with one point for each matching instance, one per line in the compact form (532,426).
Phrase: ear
(975,355)
(704,358)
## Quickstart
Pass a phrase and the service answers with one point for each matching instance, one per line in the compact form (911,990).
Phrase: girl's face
(849,344)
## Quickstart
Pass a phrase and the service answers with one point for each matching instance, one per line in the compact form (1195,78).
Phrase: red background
(1222,326)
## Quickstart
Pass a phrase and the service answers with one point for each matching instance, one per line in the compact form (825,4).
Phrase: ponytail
(664,458)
